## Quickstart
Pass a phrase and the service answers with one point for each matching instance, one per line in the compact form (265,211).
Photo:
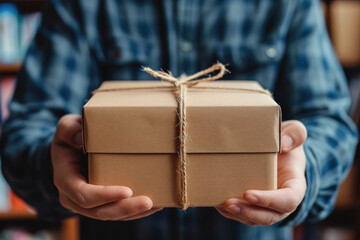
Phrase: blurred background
(19,20)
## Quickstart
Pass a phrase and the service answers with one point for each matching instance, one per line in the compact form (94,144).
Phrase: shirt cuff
(50,208)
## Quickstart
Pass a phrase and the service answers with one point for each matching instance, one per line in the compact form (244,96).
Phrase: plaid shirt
(281,44)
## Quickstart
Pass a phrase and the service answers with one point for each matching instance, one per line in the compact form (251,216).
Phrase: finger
(76,187)
(119,210)
(89,195)
(142,215)
(68,131)
(252,213)
(233,216)
(293,135)
(283,200)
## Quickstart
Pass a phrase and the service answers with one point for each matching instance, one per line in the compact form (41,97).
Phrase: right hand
(94,201)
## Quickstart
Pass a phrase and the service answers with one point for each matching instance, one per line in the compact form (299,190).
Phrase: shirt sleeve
(56,79)
(312,89)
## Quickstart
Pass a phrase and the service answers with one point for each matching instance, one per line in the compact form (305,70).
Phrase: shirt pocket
(259,62)
(124,57)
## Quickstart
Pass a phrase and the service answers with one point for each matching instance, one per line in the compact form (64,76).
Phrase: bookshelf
(18,211)
(24,217)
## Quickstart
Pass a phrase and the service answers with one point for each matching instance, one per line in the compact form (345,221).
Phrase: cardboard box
(234,137)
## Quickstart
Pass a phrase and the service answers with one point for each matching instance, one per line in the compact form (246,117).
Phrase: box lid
(145,120)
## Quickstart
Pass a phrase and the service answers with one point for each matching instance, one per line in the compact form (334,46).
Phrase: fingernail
(127,193)
(234,209)
(252,199)
(145,207)
(78,139)
(287,142)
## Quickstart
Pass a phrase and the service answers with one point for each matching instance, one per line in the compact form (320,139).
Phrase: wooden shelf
(9,68)
(16,214)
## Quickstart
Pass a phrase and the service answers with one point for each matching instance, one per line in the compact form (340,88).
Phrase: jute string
(180,86)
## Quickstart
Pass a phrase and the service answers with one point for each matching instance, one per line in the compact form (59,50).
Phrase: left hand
(271,206)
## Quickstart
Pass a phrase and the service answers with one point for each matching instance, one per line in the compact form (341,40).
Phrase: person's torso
(185,36)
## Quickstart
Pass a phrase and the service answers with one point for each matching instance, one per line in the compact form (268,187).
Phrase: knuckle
(292,205)
(63,123)
(67,125)
(301,131)
(82,200)
(296,130)
(125,212)
(62,126)
(100,214)
(247,214)
(147,205)
(266,202)
(271,221)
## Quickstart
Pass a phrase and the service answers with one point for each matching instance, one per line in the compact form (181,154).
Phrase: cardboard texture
(131,140)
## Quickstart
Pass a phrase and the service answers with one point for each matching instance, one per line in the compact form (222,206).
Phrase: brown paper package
(131,138)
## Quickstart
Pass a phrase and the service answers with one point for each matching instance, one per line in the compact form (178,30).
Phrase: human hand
(100,202)
(271,206)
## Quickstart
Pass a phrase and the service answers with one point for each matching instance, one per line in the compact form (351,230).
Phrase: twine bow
(189,81)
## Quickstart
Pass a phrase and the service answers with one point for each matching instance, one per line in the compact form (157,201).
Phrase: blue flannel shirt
(281,44)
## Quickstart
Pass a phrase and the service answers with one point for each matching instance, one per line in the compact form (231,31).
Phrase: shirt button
(186,46)
(271,52)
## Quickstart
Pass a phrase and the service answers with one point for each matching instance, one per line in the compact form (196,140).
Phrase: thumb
(293,135)
(68,131)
